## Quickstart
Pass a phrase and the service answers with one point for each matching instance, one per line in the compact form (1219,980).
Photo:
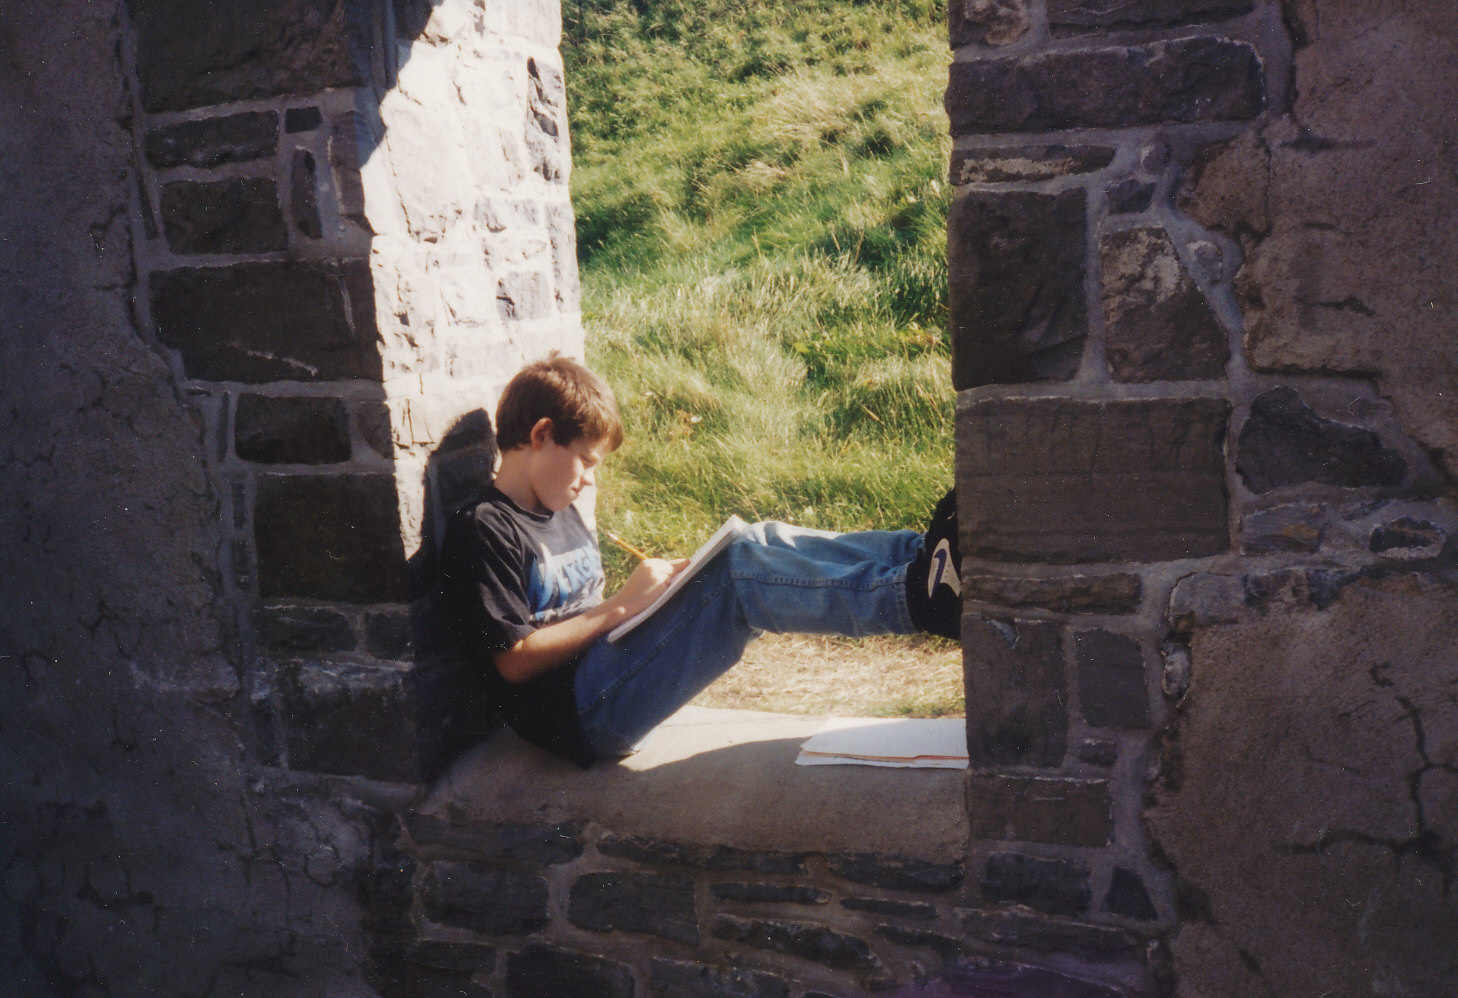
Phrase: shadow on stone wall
(457,714)
(199,416)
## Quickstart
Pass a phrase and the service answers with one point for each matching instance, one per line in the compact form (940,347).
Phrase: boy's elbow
(511,665)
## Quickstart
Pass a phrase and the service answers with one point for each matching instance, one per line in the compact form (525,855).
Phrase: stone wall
(1202,319)
(265,268)
(364,232)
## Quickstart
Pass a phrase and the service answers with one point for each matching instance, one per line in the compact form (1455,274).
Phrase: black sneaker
(933,585)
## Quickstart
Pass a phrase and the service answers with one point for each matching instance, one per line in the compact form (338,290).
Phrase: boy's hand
(548,647)
(647,583)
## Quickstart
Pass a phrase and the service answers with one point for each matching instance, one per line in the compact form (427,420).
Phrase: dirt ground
(808,674)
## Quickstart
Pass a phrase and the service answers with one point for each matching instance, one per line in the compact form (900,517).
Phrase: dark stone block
(240,215)
(190,57)
(533,845)
(769,893)
(1016,691)
(1129,897)
(351,141)
(389,636)
(1055,480)
(299,429)
(1157,324)
(1179,80)
(1141,13)
(236,138)
(1016,268)
(672,979)
(1286,529)
(349,719)
(903,873)
(285,320)
(1038,809)
(943,946)
(433,968)
(809,942)
(386,889)
(1098,753)
(1405,534)
(440,954)
(304,195)
(1323,585)
(334,537)
(539,971)
(303,628)
(372,420)
(977,22)
(912,910)
(1119,592)
(1284,443)
(1052,886)
(1111,680)
(489,899)
(1130,196)
(1205,600)
(1026,163)
(702,857)
(302,119)
(1048,936)
(628,902)
(982,976)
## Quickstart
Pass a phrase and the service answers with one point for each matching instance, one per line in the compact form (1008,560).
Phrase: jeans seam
(897,580)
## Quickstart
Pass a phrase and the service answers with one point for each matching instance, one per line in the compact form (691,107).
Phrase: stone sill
(714,777)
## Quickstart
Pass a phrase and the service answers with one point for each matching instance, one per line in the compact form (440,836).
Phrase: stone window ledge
(714,777)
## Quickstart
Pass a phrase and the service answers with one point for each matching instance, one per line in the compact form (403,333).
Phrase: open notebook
(731,529)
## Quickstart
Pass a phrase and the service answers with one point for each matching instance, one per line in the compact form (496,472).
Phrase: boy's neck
(513,482)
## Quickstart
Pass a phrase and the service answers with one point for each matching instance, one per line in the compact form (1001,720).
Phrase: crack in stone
(1426,844)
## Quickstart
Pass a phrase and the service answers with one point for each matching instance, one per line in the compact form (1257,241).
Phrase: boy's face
(559,472)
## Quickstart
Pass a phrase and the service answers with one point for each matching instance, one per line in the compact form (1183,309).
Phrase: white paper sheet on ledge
(897,742)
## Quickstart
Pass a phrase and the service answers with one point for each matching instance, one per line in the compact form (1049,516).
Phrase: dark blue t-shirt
(510,572)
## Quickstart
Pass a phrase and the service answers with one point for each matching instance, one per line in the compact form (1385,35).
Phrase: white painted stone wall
(474,253)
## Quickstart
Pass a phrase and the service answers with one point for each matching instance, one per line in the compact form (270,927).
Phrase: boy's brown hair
(577,401)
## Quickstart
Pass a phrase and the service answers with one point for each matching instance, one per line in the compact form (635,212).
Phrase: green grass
(761,232)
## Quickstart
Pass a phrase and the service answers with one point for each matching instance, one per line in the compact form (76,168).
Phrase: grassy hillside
(761,224)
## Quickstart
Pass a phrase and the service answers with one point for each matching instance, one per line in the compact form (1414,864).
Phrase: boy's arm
(550,646)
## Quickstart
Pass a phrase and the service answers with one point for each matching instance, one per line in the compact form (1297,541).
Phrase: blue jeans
(775,578)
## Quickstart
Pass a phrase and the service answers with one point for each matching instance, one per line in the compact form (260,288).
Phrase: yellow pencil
(626,546)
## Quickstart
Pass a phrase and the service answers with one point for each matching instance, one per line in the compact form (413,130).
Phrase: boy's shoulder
(495,513)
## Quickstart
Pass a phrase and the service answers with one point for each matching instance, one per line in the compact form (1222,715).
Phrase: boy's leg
(777,578)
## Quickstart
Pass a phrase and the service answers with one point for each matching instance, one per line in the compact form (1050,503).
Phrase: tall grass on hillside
(761,228)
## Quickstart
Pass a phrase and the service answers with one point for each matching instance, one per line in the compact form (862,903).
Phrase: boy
(525,577)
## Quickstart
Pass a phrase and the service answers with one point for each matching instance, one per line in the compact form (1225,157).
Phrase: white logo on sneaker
(943,571)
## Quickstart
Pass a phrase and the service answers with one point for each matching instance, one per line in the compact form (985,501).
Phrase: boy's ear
(541,432)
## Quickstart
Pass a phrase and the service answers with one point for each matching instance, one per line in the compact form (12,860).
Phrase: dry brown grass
(810,674)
